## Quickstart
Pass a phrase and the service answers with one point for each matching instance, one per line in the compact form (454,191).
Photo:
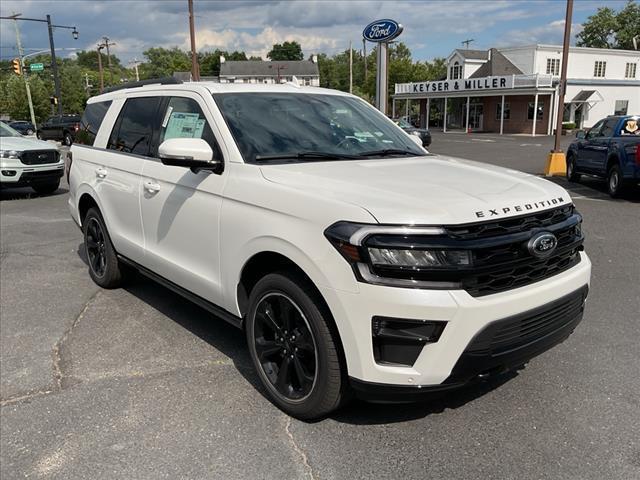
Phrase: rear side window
(91,121)
(133,130)
(609,127)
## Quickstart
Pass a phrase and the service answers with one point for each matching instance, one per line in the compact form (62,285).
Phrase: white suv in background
(354,260)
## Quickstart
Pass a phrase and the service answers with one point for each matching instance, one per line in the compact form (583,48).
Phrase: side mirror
(193,153)
(581,134)
(417,140)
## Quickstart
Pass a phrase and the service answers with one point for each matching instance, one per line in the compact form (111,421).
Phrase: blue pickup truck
(610,150)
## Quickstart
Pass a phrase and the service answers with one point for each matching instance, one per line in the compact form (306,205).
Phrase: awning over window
(585,96)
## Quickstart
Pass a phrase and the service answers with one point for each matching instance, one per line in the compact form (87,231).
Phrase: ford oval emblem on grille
(542,244)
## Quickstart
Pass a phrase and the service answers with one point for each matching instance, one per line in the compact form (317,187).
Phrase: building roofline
(545,46)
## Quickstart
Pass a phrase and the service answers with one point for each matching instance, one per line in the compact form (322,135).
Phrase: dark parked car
(423,133)
(610,150)
(62,128)
(23,126)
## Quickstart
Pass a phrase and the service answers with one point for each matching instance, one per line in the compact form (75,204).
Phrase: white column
(393,108)
(502,116)
(428,110)
(444,118)
(467,126)
(551,113)
(535,115)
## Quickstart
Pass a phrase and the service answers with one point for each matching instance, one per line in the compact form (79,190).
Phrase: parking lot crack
(58,348)
(298,450)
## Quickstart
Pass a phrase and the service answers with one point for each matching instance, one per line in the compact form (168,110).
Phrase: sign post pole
(382,32)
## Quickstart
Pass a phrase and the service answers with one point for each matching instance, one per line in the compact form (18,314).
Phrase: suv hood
(23,143)
(433,190)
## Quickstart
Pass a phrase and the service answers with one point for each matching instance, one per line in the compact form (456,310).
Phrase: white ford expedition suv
(355,261)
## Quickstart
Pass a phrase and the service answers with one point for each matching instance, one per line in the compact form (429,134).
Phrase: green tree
(286,51)
(608,29)
(162,62)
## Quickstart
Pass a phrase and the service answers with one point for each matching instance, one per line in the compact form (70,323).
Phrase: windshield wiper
(388,151)
(307,156)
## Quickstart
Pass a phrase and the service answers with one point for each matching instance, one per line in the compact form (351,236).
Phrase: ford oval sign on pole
(382,32)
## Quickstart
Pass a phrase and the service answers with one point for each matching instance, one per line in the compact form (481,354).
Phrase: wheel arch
(269,261)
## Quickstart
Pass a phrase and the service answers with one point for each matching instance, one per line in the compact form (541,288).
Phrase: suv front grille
(39,157)
(501,259)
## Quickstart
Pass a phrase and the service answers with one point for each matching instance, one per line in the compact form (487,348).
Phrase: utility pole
(364,50)
(350,67)
(54,65)
(195,70)
(557,162)
(100,47)
(107,45)
(24,74)
(135,64)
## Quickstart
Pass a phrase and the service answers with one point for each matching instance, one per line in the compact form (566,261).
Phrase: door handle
(101,172)
(151,187)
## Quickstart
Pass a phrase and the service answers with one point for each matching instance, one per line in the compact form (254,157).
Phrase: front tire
(104,267)
(293,348)
(46,188)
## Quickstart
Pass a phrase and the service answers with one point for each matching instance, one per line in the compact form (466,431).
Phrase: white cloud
(551,33)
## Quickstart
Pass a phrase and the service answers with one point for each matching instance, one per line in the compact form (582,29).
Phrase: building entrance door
(475,116)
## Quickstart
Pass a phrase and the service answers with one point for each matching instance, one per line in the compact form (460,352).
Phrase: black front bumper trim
(501,346)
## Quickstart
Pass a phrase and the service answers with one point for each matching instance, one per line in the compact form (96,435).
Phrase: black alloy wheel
(68,139)
(294,346)
(94,241)
(572,175)
(104,266)
(615,181)
(285,346)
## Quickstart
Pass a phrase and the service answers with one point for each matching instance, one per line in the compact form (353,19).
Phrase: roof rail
(142,83)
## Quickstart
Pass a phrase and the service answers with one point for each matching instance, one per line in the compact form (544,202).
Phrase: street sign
(36,67)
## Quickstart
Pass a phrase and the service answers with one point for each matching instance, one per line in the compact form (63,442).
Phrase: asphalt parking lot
(139,383)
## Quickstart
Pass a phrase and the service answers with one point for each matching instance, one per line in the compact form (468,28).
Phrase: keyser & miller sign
(483,83)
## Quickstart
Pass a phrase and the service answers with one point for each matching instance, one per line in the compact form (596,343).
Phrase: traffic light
(17,68)
(53,100)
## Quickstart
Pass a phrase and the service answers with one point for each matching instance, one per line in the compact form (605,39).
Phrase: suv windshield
(7,131)
(304,127)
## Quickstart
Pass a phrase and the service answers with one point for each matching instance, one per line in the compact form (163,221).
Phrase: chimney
(314,58)
(489,54)
(222,59)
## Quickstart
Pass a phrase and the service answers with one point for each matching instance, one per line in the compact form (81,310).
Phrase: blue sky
(432,28)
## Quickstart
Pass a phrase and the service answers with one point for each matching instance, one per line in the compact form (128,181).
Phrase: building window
(553,66)
(507,111)
(599,68)
(530,111)
(621,107)
(630,70)
(455,72)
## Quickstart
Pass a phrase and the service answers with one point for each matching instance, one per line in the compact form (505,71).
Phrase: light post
(278,68)
(54,63)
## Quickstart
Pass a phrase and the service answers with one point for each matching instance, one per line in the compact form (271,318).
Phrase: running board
(192,297)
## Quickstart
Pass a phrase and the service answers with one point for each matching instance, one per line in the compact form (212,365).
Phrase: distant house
(258,71)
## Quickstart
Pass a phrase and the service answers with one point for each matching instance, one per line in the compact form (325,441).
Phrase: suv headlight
(10,154)
(418,257)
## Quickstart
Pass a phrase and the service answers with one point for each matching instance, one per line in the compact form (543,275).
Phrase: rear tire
(572,175)
(615,181)
(67,139)
(293,348)
(46,188)
(104,266)
(39,135)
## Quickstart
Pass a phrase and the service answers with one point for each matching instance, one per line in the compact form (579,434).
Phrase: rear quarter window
(90,123)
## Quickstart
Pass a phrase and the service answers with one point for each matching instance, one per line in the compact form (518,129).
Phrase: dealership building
(515,90)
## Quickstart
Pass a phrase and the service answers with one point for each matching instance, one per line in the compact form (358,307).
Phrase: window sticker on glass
(184,125)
